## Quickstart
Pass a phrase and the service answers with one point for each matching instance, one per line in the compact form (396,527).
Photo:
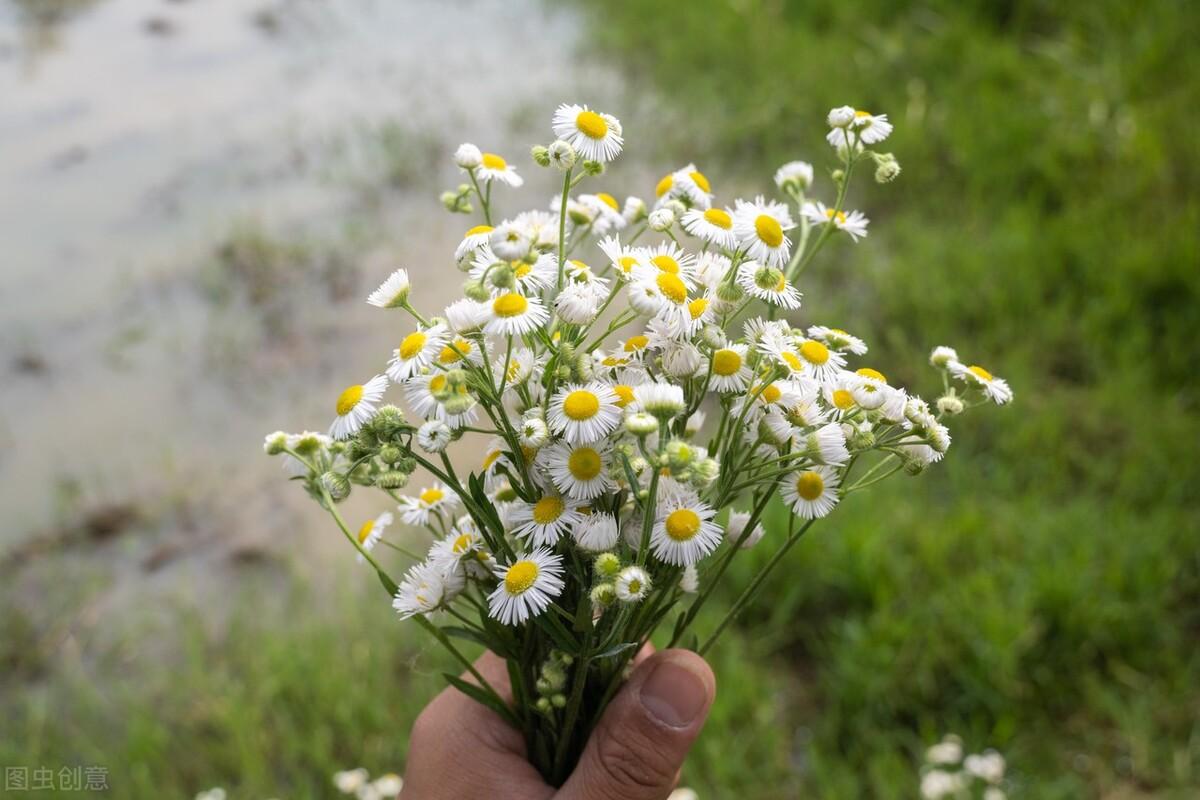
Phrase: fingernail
(673,694)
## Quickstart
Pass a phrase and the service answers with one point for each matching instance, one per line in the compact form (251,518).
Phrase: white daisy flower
(580,471)
(456,350)
(663,400)
(510,241)
(737,528)
(818,361)
(729,370)
(472,241)
(670,258)
(597,532)
(768,284)
(623,259)
(513,314)
(760,227)
(683,360)
(942,356)
(870,390)
(417,352)
(812,493)
(713,225)
(372,531)
(871,128)
(838,339)
(663,295)
(794,175)
(605,212)
(527,587)
(434,436)
(422,590)
(393,292)
(586,413)
(853,223)
(578,303)
(466,316)
(533,433)
(462,547)
(684,532)
(494,168)
(595,136)
(355,405)
(436,499)
(632,584)
(995,388)
(711,269)
(687,185)
(545,521)
(826,445)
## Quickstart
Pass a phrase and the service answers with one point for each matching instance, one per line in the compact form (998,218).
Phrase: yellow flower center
(608,200)
(450,354)
(719,218)
(547,510)
(672,287)
(591,125)
(520,577)
(365,530)
(841,215)
(843,399)
(726,362)
(814,352)
(666,264)
(493,161)
(874,374)
(810,485)
(981,373)
(478,229)
(509,305)
(701,181)
(461,543)
(635,586)
(613,361)
(431,496)
(348,400)
(521,269)
(861,114)
(491,457)
(697,307)
(772,393)
(664,185)
(768,230)
(792,361)
(635,343)
(581,405)
(683,524)
(584,464)
(412,345)
(624,394)
(437,383)
(626,263)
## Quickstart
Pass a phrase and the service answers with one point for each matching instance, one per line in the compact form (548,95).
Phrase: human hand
(461,750)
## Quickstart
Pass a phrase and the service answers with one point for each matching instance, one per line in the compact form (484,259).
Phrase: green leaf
(615,650)
(483,696)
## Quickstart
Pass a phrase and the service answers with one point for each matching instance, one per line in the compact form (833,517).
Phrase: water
(140,367)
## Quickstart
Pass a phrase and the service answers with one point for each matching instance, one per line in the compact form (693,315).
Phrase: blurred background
(195,196)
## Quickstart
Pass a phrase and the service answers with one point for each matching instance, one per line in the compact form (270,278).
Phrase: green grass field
(1039,592)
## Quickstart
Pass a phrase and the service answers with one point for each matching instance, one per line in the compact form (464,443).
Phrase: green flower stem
(562,226)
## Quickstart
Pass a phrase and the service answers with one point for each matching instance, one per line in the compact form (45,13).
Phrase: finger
(637,749)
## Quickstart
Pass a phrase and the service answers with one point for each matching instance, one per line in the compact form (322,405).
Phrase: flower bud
(838,176)
(274,443)
(634,210)
(475,290)
(730,292)
(840,117)
(705,472)
(458,404)
(543,705)
(607,565)
(449,201)
(502,276)
(661,219)
(712,336)
(583,368)
(392,479)
(389,454)
(559,700)
(950,404)
(387,422)
(563,372)
(593,168)
(603,595)
(943,356)
(336,484)
(406,463)
(541,155)
(561,154)
(679,454)
(468,156)
(887,170)
(543,686)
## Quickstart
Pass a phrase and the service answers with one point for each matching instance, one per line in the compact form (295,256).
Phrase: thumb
(637,749)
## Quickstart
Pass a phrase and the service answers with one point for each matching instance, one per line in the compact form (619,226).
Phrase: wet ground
(195,196)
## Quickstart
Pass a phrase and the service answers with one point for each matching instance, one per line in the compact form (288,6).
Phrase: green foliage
(1039,592)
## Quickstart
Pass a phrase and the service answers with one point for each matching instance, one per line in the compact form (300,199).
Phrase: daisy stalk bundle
(636,412)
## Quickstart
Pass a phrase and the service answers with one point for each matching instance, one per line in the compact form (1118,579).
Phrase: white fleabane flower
(768,284)
(682,360)
(840,117)
(826,445)
(355,405)
(578,303)
(659,399)
(594,135)
(948,751)
(623,259)
(837,339)
(761,228)
(634,210)
(436,499)
(871,128)
(819,362)
(632,584)
(996,389)
(580,471)
(713,225)
(416,352)
(661,219)
(688,185)
(729,372)
(596,532)
(468,156)
(684,532)
(434,436)
(605,212)
(372,531)
(351,780)
(942,356)
(937,784)
(584,413)
(423,590)
(467,316)
(527,587)
(510,241)
(494,168)
(812,493)
(545,521)
(853,223)
(794,176)
(737,528)
(513,314)
(393,292)
(533,433)
(988,766)
(561,154)
(472,240)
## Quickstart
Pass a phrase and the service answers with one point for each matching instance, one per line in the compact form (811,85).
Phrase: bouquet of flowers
(635,424)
